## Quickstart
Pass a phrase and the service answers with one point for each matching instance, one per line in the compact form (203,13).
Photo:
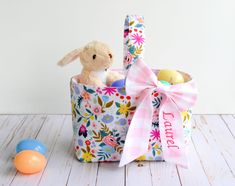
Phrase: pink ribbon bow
(141,82)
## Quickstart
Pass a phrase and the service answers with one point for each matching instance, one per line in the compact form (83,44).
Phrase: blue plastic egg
(164,82)
(31,144)
(118,83)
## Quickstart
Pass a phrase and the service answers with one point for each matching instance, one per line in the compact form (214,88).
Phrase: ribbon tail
(171,132)
(137,139)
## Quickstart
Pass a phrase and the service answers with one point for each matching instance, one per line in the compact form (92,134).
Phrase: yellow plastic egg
(171,76)
(29,162)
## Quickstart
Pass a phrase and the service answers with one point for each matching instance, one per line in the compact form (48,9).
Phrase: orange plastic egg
(29,162)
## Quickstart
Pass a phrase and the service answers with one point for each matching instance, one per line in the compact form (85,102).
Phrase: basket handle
(134,40)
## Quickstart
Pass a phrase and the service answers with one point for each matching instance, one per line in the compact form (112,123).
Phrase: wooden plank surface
(138,173)
(216,168)
(48,135)
(28,127)
(225,142)
(110,174)
(195,168)
(8,127)
(164,174)
(83,174)
(229,120)
(58,167)
(211,156)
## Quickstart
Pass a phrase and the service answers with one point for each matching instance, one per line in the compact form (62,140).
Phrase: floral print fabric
(134,39)
(101,117)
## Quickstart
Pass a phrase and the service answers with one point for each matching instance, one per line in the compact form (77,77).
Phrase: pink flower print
(87,105)
(138,39)
(94,125)
(126,33)
(156,112)
(82,131)
(111,141)
(128,59)
(98,90)
(155,134)
(109,90)
(114,157)
(97,110)
(155,116)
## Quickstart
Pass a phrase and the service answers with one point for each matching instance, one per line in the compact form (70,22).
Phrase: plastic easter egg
(29,162)
(171,76)
(165,82)
(118,83)
(31,144)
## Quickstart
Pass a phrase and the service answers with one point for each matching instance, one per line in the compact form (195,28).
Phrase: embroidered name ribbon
(141,82)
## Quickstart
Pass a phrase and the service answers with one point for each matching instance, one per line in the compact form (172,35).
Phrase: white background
(196,36)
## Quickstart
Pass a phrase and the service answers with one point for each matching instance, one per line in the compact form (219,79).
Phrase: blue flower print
(108,149)
(122,122)
(107,118)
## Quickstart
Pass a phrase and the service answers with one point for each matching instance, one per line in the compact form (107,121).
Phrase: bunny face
(96,56)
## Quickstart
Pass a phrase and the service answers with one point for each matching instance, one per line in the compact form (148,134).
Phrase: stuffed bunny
(96,57)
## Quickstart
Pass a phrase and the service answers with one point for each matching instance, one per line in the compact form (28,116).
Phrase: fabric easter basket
(145,120)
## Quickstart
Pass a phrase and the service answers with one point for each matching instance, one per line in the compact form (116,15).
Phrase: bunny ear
(70,57)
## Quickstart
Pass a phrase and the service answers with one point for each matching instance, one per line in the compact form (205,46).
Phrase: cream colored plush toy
(96,57)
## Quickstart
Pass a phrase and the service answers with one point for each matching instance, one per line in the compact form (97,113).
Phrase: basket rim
(75,79)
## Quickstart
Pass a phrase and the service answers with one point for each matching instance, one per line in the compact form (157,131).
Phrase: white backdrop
(194,36)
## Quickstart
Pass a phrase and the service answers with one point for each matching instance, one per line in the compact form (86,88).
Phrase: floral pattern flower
(86,95)
(87,156)
(122,122)
(97,110)
(107,118)
(98,90)
(114,157)
(108,149)
(82,131)
(128,58)
(94,125)
(155,134)
(138,39)
(111,141)
(109,90)
(87,142)
(105,98)
(124,109)
(155,115)
(126,32)
(80,142)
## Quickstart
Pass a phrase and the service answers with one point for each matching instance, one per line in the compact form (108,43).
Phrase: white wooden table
(211,155)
